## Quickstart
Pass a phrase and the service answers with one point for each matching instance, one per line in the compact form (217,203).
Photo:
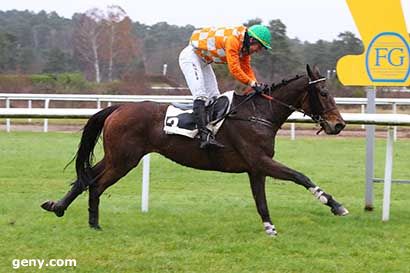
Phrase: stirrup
(209,141)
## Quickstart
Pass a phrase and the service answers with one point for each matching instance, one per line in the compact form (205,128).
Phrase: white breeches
(199,75)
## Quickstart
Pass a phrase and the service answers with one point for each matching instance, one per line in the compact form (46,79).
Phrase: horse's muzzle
(333,128)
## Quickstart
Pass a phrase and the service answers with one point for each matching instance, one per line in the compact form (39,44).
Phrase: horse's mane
(284,82)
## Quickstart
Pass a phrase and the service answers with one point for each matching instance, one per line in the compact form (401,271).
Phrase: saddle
(179,118)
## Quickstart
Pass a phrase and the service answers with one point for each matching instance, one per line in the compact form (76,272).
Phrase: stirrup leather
(208,139)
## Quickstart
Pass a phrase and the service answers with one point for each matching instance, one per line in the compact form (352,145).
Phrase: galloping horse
(248,133)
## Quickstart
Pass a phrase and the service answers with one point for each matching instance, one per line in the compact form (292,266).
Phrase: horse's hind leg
(109,178)
(60,206)
(110,175)
(280,171)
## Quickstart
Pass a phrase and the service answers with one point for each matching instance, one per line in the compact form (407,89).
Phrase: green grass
(203,221)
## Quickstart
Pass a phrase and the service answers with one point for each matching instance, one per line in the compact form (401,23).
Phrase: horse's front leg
(277,170)
(258,191)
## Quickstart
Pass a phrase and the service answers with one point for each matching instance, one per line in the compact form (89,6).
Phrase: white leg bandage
(270,229)
(318,193)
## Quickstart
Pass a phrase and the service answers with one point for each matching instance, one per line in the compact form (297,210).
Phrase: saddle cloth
(179,119)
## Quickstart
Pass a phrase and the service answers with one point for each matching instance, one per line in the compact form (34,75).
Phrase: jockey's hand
(258,87)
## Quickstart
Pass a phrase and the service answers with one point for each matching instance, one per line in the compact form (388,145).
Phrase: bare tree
(115,15)
(88,39)
(122,44)
(104,40)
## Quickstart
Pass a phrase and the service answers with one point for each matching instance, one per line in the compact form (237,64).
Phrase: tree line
(107,46)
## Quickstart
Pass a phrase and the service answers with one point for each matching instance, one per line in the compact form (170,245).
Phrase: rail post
(46,105)
(370,132)
(394,108)
(8,124)
(145,183)
(29,106)
(388,170)
(292,131)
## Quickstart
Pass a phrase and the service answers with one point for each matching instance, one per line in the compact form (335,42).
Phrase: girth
(258,120)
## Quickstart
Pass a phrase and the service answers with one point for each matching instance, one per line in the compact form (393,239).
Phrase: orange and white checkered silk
(210,42)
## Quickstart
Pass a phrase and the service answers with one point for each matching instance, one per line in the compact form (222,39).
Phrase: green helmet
(262,34)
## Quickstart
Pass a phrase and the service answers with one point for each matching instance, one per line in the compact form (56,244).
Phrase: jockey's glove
(258,87)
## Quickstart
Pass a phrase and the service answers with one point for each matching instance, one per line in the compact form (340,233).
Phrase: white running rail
(375,119)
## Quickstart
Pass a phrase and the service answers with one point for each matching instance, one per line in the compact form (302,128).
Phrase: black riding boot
(206,136)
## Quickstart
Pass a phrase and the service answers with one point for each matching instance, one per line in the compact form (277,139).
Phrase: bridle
(316,107)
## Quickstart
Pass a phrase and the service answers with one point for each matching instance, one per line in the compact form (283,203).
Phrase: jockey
(225,45)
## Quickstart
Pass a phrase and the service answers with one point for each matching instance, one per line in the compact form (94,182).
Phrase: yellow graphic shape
(386,60)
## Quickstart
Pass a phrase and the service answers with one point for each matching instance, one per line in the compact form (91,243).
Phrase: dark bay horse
(132,130)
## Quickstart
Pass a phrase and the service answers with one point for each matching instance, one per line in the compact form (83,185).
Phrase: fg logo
(387,58)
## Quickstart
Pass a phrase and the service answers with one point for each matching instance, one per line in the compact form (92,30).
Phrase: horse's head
(320,105)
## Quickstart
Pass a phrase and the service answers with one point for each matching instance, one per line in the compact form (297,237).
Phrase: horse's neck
(290,94)
(277,113)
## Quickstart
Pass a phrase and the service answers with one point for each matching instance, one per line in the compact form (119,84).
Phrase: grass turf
(203,221)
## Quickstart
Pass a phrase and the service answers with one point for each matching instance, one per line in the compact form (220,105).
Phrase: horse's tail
(84,157)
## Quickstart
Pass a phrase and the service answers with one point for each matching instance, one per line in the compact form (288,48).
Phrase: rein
(316,117)
(233,109)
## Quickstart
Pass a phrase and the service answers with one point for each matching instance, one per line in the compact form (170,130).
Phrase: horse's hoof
(53,207)
(270,229)
(271,233)
(48,206)
(96,227)
(340,211)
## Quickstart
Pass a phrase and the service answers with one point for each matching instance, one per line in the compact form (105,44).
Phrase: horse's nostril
(339,127)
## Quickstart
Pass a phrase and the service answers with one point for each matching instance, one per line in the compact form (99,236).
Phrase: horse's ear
(316,70)
(309,71)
